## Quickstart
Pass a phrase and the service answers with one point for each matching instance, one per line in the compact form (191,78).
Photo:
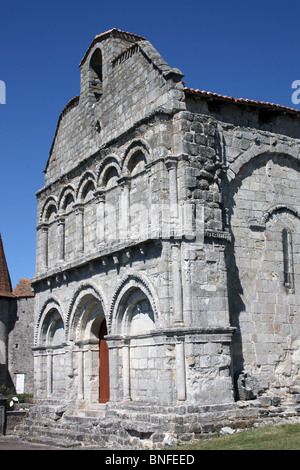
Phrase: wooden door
(104,365)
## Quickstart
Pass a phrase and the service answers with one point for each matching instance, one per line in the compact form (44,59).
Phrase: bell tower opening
(95,75)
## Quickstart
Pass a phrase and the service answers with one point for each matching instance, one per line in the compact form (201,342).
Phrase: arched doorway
(104,365)
(87,331)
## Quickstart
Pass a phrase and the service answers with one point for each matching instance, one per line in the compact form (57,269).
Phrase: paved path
(14,443)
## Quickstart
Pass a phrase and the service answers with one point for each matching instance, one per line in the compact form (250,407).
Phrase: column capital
(171,162)
(99,196)
(79,207)
(60,219)
(124,182)
(44,226)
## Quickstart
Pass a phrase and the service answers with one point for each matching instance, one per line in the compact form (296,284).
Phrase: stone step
(96,411)
(61,434)
(43,434)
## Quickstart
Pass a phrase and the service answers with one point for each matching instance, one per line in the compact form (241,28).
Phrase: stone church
(167,270)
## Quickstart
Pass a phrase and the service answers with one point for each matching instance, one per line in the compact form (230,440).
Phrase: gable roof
(5,282)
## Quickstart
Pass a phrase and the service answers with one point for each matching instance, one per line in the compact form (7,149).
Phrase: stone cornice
(111,254)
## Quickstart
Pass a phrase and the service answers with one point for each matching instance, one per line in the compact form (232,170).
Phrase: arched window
(95,74)
(288,269)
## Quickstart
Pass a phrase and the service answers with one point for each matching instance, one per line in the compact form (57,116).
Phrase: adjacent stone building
(16,331)
(20,355)
(8,310)
(167,269)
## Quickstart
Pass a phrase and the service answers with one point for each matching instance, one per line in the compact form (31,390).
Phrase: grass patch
(282,437)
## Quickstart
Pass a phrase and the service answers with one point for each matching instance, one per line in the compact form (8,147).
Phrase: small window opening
(288,269)
(95,74)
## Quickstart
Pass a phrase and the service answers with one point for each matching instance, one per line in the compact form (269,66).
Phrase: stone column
(69,363)
(87,373)
(100,217)
(124,210)
(61,237)
(79,212)
(126,371)
(188,257)
(45,231)
(49,372)
(180,370)
(171,164)
(188,223)
(38,361)
(177,283)
(80,375)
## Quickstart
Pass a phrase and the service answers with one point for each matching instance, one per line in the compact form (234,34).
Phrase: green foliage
(9,393)
(6,391)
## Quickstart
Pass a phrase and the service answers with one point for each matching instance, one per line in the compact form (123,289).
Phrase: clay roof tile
(23,288)
(262,104)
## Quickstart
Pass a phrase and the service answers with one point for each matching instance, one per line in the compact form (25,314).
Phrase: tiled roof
(209,95)
(23,288)
(5,282)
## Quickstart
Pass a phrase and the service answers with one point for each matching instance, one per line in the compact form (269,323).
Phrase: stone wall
(259,156)
(265,305)
(20,342)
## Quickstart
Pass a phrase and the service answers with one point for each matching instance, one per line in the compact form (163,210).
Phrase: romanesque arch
(86,307)
(86,185)
(41,331)
(109,170)
(49,210)
(66,198)
(49,349)
(86,325)
(108,199)
(259,151)
(133,289)
(136,156)
(134,211)
(134,318)
(47,228)
(85,212)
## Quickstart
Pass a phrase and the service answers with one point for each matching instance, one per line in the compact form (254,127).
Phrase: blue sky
(241,49)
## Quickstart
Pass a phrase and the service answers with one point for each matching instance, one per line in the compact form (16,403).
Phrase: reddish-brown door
(104,365)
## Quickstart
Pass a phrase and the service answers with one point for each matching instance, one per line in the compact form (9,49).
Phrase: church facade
(167,268)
